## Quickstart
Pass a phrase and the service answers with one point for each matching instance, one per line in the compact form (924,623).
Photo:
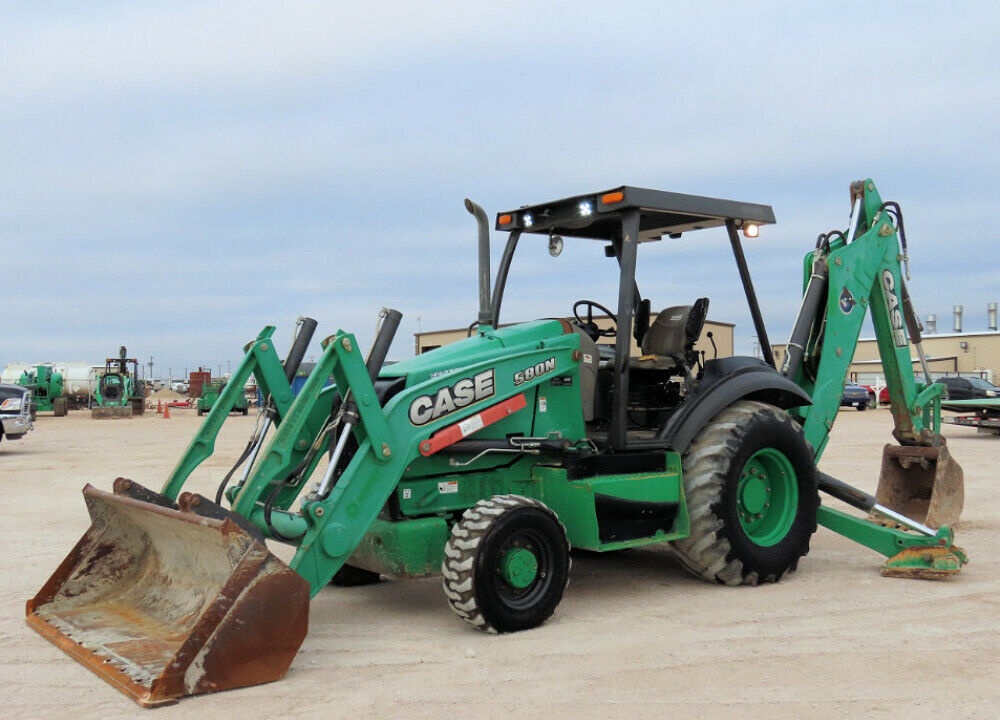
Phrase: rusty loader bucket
(921,483)
(163,602)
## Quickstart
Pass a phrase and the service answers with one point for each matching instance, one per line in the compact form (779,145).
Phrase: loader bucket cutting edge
(163,603)
(922,483)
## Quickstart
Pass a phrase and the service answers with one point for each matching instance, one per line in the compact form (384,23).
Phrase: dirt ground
(634,637)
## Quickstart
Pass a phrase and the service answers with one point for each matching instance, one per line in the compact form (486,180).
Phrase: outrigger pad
(922,483)
(926,563)
(163,603)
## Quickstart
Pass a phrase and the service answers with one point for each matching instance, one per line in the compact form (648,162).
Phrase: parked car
(859,396)
(968,388)
(15,411)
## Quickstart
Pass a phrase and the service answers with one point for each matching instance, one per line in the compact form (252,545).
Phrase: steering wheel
(588,325)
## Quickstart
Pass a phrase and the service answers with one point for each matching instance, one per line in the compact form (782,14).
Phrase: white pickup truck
(15,411)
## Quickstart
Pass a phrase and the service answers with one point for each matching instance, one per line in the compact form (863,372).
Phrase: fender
(724,381)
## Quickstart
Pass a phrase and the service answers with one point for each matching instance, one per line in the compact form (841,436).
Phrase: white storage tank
(79,378)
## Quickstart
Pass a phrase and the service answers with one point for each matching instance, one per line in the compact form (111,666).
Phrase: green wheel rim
(767,497)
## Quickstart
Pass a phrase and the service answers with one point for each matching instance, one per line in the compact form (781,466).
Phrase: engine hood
(482,346)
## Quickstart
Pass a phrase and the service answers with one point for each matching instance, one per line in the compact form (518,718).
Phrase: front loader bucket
(922,483)
(164,603)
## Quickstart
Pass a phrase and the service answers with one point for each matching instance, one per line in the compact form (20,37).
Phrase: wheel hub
(754,492)
(519,568)
(767,497)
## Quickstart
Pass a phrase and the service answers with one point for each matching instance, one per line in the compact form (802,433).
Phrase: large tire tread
(459,566)
(707,552)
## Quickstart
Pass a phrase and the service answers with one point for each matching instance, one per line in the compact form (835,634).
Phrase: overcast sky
(176,175)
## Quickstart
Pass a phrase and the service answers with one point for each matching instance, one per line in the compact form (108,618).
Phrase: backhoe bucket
(922,483)
(163,603)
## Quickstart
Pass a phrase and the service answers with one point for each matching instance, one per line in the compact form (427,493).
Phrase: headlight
(11,405)
(991,393)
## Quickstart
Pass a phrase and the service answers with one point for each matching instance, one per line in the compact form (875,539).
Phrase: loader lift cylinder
(293,361)
(298,350)
(380,348)
(374,363)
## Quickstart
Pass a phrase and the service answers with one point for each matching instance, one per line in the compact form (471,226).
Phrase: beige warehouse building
(722,335)
(951,353)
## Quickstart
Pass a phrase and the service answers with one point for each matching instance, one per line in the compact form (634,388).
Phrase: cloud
(182,173)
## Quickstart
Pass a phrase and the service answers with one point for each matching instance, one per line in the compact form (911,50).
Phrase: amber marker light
(504,220)
(612,197)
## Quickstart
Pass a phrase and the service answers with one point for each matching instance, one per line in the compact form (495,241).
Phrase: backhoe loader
(488,459)
(119,392)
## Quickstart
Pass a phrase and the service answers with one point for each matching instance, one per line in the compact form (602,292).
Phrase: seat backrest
(589,360)
(675,331)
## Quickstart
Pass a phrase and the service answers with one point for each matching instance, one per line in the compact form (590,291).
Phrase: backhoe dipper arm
(857,276)
(846,276)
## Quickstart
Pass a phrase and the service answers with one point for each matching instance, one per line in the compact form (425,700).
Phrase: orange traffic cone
(159,407)
(166,412)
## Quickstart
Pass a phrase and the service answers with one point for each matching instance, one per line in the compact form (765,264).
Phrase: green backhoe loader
(119,392)
(488,459)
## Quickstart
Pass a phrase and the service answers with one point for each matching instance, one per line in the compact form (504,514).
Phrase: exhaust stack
(483,225)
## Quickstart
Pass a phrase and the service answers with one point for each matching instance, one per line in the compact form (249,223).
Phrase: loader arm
(327,528)
(262,361)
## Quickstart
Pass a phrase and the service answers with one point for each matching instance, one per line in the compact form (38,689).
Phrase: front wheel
(506,564)
(59,406)
(751,489)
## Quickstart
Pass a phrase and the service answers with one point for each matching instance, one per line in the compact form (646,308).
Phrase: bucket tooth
(163,603)
(922,483)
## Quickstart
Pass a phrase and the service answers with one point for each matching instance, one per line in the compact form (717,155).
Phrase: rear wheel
(506,564)
(750,486)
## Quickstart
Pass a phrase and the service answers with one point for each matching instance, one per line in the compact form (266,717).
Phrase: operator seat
(670,340)
(590,358)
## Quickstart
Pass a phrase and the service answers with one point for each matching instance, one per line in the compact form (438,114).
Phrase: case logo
(892,305)
(450,398)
